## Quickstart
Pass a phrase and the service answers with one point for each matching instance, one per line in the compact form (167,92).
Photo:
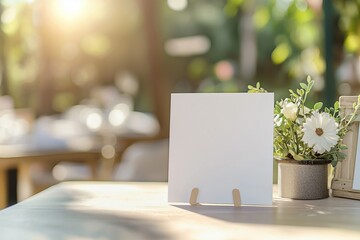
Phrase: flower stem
(353,115)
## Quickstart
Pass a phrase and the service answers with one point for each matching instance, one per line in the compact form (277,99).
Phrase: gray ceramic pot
(303,179)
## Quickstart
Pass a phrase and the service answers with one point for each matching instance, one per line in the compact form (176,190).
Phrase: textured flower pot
(303,179)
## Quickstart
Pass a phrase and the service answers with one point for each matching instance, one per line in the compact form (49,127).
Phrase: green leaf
(257,85)
(318,105)
(334,163)
(293,94)
(311,84)
(334,160)
(250,87)
(308,79)
(343,147)
(336,105)
(341,155)
(303,86)
(298,157)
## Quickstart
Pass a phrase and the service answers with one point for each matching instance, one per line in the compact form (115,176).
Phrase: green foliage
(349,23)
(256,89)
(289,34)
(291,113)
(318,106)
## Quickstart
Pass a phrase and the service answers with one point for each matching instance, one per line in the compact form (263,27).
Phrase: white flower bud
(290,111)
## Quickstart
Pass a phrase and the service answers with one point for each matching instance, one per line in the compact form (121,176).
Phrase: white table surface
(108,210)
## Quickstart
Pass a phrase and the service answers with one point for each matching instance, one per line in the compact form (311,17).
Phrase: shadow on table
(65,217)
(58,226)
(302,214)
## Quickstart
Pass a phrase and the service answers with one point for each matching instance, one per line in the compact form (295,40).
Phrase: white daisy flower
(320,132)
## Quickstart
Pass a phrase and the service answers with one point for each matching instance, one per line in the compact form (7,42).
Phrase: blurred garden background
(57,55)
(54,53)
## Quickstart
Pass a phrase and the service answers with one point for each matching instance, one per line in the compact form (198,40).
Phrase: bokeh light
(281,53)
(60,173)
(11,126)
(127,83)
(94,121)
(177,5)
(119,114)
(224,70)
(187,46)
(108,151)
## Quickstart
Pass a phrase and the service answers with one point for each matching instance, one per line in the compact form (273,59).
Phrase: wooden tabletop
(107,210)
(21,156)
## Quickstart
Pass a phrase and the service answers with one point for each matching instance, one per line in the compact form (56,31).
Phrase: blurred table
(107,210)
(71,136)
(21,157)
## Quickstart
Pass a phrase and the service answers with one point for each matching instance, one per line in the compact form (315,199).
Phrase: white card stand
(193,197)
(236,197)
(231,148)
(195,192)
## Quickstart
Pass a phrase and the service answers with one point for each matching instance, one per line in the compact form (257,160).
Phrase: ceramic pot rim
(305,161)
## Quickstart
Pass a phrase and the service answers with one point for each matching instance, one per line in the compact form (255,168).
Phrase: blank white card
(219,142)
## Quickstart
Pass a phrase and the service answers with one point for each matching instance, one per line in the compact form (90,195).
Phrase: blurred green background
(54,52)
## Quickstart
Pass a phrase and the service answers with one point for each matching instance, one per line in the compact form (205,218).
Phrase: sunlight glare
(9,15)
(70,9)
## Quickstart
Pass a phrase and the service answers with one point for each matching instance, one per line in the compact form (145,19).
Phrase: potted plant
(306,140)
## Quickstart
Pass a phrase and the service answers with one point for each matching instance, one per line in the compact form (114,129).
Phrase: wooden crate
(342,182)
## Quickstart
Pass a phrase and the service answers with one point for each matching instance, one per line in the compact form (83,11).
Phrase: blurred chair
(107,116)
(144,161)
(14,123)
